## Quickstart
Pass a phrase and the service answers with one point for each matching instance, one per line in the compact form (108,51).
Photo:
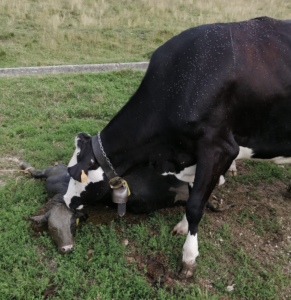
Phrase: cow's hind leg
(181,228)
(232,169)
(212,161)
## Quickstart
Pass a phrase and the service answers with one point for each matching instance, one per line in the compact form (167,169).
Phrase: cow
(210,95)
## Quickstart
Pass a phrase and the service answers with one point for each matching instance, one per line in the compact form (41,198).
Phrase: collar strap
(115,181)
(101,157)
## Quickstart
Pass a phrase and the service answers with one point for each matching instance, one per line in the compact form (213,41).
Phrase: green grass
(262,172)
(35,32)
(39,118)
(42,115)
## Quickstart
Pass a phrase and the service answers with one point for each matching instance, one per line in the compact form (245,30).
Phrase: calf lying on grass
(149,192)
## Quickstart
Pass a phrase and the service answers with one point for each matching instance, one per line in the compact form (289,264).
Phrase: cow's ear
(75,172)
(82,138)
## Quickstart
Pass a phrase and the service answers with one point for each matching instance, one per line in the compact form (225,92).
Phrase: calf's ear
(41,218)
(83,217)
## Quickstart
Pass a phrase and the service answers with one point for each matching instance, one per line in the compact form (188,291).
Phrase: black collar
(101,158)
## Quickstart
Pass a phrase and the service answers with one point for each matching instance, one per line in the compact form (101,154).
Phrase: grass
(35,32)
(50,111)
(39,118)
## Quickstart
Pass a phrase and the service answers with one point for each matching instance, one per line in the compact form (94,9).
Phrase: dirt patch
(9,168)
(104,214)
(39,228)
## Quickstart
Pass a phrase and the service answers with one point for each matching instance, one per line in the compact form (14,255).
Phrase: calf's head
(84,162)
(62,224)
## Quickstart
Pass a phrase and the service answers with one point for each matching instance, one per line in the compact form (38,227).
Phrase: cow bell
(120,194)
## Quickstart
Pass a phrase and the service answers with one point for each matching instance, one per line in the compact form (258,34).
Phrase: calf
(62,221)
(150,191)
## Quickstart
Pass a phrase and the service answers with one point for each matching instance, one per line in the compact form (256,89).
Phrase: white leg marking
(181,227)
(190,249)
(280,160)
(221,180)
(232,169)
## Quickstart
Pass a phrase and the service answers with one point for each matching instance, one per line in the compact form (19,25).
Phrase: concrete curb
(95,68)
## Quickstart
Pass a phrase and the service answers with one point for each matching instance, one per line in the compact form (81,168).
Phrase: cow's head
(62,224)
(84,161)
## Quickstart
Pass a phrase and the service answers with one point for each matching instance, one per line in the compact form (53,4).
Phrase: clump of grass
(261,172)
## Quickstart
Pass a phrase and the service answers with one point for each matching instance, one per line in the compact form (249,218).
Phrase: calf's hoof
(186,270)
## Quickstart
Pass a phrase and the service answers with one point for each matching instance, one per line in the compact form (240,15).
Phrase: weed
(260,172)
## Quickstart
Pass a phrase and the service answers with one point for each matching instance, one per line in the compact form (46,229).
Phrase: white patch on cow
(75,188)
(190,249)
(221,180)
(73,160)
(245,153)
(186,175)
(182,226)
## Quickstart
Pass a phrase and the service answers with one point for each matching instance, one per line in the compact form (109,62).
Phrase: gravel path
(95,68)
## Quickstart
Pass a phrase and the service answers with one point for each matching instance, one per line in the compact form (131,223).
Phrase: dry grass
(76,31)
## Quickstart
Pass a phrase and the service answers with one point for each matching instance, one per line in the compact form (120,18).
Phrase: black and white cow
(211,94)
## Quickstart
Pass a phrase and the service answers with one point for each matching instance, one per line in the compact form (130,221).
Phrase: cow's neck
(133,136)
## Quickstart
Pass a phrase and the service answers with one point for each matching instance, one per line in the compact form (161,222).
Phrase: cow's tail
(28,169)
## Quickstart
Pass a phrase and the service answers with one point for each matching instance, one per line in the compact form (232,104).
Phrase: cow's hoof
(179,231)
(186,270)
(232,173)
(181,228)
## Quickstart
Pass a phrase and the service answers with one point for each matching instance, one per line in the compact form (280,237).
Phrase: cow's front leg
(212,162)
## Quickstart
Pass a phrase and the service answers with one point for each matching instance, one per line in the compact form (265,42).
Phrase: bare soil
(9,168)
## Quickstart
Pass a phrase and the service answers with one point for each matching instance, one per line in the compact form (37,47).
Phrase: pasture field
(247,248)
(36,32)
